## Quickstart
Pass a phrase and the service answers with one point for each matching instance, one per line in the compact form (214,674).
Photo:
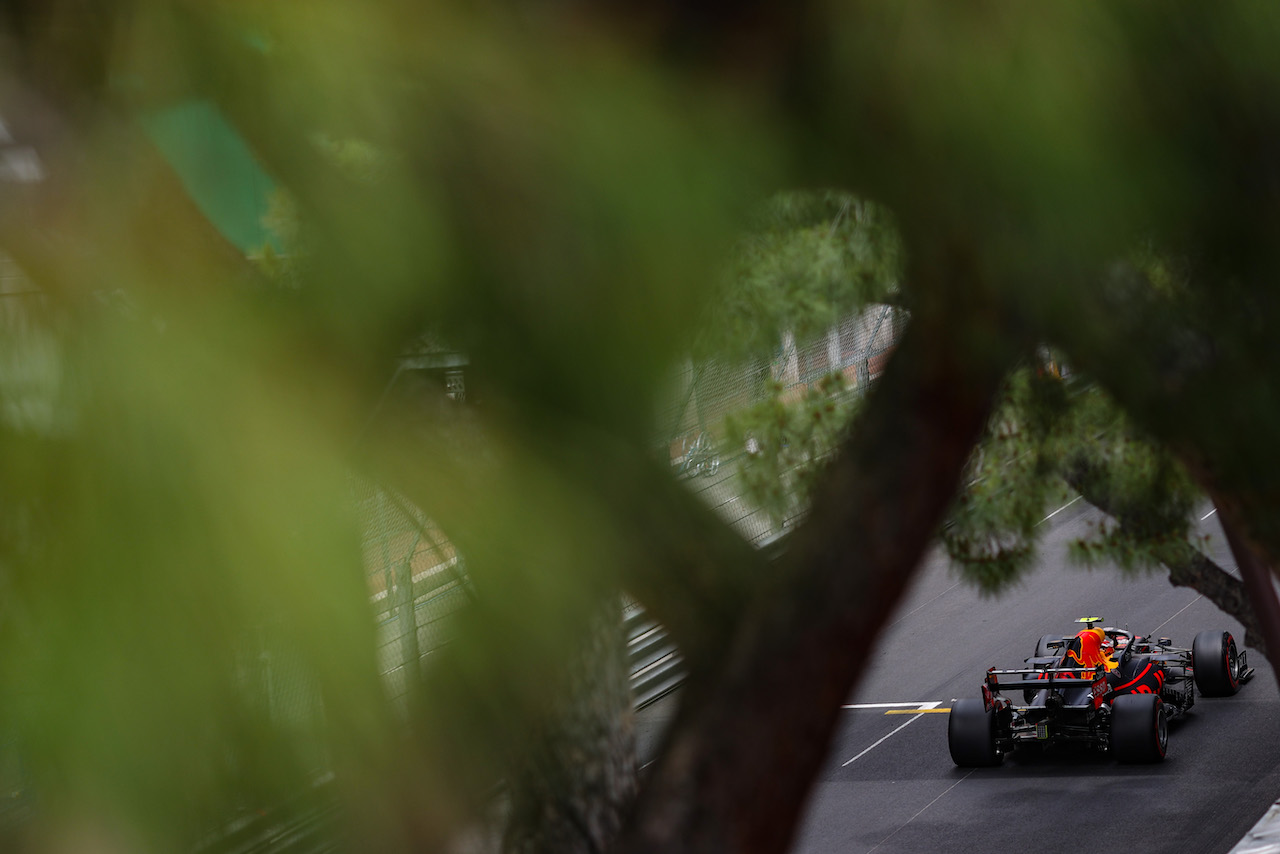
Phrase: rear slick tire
(1217,664)
(971,735)
(1139,728)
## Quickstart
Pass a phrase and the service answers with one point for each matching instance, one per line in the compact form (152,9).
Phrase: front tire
(1217,664)
(1139,728)
(971,735)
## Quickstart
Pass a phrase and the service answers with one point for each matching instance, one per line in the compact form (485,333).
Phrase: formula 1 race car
(1122,711)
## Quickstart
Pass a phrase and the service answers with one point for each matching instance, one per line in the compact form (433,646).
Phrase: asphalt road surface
(889,785)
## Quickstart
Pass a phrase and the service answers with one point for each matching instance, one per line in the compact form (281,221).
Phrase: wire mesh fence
(705,394)
(416,581)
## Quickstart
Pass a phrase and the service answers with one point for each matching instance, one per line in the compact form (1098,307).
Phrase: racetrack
(901,792)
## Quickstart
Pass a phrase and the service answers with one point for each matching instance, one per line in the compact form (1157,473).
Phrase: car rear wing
(1000,680)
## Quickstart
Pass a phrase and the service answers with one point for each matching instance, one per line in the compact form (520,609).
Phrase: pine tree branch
(1187,566)
(1169,374)
(1257,582)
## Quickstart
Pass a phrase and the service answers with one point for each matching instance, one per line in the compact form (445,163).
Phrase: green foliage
(1049,438)
(991,530)
(787,437)
(547,205)
(284,266)
(556,194)
(1148,494)
(808,260)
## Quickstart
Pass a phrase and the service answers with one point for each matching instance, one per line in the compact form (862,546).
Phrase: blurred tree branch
(523,208)
(801,647)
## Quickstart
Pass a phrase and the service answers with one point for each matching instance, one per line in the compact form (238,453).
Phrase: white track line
(922,809)
(925,605)
(957,584)
(891,706)
(1210,513)
(1188,605)
(1059,510)
(894,732)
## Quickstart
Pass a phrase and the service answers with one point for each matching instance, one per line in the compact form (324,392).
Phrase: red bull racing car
(1117,696)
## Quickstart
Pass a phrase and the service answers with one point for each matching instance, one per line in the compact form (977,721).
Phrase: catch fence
(707,393)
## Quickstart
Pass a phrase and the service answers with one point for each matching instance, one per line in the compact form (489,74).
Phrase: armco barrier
(656,666)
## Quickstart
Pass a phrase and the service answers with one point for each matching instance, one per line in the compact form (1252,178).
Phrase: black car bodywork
(1123,712)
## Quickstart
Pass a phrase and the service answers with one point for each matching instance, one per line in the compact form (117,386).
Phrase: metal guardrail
(306,826)
(656,666)
(655,662)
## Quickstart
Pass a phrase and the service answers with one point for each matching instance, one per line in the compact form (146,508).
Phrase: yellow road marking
(915,711)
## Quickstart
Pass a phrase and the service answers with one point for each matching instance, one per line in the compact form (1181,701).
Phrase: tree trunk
(568,793)
(1257,582)
(1189,568)
(726,779)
